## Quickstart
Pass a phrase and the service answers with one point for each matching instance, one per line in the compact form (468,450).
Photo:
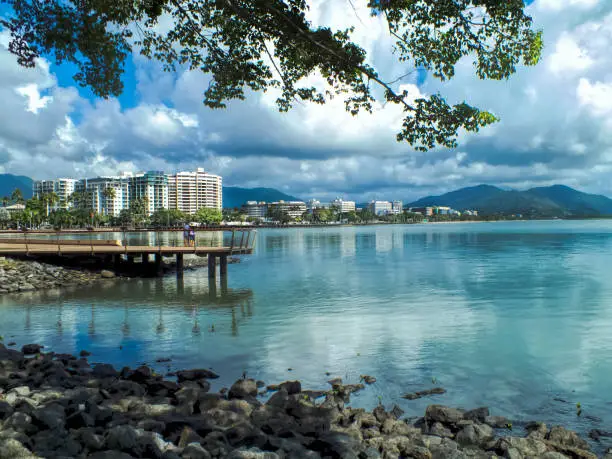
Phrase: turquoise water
(516,316)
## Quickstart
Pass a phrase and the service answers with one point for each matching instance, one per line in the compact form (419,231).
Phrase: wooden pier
(242,243)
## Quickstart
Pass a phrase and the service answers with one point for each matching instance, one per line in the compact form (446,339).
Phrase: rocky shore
(23,276)
(60,406)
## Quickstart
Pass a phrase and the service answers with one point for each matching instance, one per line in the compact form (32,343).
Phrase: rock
(595,434)
(195,451)
(91,440)
(79,419)
(29,349)
(5,410)
(440,430)
(510,446)
(12,449)
(553,455)
(107,274)
(424,393)
(243,388)
(536,430)
(110,455)
(477,415)
(475,435)
(497,422)
(260,383)
(194,375)
(367,379)
(566,437)
(443,414)
(104,370)
(252,453)
(140,374)
(122,438)
(51,416)
(84,353)
(335,382)
(292,387)
(20,422)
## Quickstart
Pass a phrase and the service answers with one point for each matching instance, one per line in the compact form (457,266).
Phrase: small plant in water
(509,426)
(434,380)
(380,400)
(578,409)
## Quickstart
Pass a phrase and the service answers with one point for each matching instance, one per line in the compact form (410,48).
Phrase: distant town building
(190,191)
(380,207)
(15,208)
(344,206)
(397,207)
(106,195)
(313,204)
(425,211)
(254,209)
(471,213)
(294,209)
(62,187)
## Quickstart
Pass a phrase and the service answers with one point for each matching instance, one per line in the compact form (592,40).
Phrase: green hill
(236,197)
(8,183)
(552,201)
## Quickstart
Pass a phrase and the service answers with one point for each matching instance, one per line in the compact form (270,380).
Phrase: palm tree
(5,201)
(17,196)
(49,199)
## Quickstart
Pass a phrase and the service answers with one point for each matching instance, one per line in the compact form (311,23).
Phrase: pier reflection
(127,306)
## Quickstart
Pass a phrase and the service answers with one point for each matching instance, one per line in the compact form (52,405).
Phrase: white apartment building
(255,209)
(397,207)
(190,191)
(294,209)
(63,187)
(380,207)
(344,206)
(108,195)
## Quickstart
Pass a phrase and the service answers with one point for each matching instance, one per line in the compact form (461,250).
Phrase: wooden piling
(180,265)
(223,265)
(212,266)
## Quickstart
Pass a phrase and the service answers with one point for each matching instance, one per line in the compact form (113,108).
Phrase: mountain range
(551,201)
(232,196)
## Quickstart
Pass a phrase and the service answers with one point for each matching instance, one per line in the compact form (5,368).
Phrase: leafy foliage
(208,216)
(257,45)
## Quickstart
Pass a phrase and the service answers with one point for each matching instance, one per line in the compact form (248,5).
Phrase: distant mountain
(236,197)
(8,183)
(552,201)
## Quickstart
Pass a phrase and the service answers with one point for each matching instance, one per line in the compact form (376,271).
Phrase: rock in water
(443,414)
(423,393)
(194,375)
(107,274)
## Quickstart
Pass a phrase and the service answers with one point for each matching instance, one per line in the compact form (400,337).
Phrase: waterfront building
(106,195)
(343,206)
(313,204)
(380,207)
(150,186)
(15,208)
(189,191)
(62,187)
(294,209)
(254,209)
(425,211)
(397,207)
(471,213)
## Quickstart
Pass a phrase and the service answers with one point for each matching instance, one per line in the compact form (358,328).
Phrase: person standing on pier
(186,240)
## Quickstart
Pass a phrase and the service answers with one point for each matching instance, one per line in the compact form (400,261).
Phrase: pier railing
(234,240)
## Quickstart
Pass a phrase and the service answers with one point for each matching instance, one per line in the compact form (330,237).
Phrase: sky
(556,121)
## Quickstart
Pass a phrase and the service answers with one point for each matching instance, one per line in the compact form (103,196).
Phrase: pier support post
(212,266)
(130,259)
(180,267)
(223,286)
(158,264)
(117,261)
(223,266)
(145,260)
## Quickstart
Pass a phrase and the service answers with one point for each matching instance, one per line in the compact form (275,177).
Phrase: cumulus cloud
(556,121)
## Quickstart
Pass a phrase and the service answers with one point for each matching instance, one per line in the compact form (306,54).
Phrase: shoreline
(20,275)
(58,405)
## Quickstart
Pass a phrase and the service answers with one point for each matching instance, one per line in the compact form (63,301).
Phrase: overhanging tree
(261,44)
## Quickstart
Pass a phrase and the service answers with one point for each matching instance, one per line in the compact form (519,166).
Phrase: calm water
(516,316)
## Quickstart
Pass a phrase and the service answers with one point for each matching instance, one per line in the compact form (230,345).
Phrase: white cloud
(568,56)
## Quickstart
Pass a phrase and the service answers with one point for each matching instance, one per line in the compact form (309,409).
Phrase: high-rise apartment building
(106,195)
(190,191)
(397,207)
(62,187)
(380,207)
(152,187)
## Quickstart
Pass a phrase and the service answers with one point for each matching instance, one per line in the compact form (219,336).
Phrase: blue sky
(556,121)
